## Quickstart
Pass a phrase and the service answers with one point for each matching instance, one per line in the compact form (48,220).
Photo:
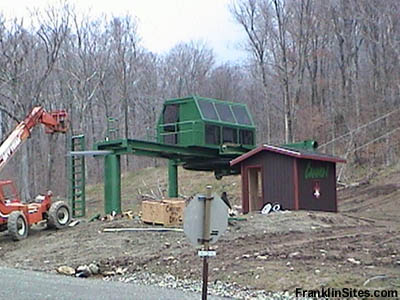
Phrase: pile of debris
(113,216)
(81,271)
(93,269)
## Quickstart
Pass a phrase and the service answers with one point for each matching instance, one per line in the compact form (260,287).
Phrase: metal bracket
(204,198)
(202,241)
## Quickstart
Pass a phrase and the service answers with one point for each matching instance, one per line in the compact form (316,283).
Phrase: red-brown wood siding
(278,179)
(334,183)
(296,184)
(327,198)
(251,162)
(245,189)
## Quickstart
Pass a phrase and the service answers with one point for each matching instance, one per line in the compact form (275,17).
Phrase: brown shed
(296,179)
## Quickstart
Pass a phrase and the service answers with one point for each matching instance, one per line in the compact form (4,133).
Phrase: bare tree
(187,68)
(249,15)
(124,44)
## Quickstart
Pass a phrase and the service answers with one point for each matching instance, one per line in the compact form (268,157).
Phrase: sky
(161,23)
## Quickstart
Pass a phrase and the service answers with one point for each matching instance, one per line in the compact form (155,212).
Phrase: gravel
(217,288)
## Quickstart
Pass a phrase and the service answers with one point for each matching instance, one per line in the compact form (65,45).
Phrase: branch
(8,113)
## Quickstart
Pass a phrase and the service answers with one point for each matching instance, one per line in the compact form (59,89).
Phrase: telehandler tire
(59,215)
(17,226)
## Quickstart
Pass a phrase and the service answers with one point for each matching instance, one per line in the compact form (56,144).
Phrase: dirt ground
(357,247)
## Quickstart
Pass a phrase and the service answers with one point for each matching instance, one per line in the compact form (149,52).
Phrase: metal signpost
(205,220)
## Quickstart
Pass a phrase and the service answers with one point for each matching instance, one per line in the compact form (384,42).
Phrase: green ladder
(77,177)
(112,129)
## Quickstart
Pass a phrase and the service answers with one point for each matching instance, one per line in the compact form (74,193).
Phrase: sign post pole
(206,239)
(205,220)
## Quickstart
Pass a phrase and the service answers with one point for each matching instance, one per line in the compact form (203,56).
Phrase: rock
(94,269)
(294,254)
(398,262)
(108,273)
(245,255)
(353,261)
(66,270)
(83,271)
(82,274)
(262,257)
(168,258)
(121,271)
(128,214)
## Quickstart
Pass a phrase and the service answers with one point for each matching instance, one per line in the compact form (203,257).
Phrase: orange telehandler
(15,216)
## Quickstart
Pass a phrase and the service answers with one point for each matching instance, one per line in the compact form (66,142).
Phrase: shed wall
(277,179)
(327,183)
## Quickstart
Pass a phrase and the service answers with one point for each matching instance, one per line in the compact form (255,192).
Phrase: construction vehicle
(16,216)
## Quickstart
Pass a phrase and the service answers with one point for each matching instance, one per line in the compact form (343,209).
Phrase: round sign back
(193,220)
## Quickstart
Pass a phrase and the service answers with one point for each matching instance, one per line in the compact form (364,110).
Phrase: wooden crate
(167,212)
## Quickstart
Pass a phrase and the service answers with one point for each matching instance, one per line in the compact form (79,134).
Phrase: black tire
(59,215)
(17,226)
(276,207)
(267,208)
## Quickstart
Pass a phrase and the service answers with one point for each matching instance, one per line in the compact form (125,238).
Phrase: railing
(188,134)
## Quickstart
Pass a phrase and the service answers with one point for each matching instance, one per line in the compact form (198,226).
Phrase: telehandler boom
(55,122)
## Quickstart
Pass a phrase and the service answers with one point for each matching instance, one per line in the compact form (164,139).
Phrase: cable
(361,127)
(374,140)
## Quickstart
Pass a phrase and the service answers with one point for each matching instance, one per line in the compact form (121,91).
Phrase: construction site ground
(358,247)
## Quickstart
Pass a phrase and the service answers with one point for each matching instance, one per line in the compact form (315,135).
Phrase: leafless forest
(324,70)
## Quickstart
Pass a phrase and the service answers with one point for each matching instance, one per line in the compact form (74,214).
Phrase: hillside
(154,182)
(357,247)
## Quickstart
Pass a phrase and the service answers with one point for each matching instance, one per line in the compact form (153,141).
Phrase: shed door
(254,176)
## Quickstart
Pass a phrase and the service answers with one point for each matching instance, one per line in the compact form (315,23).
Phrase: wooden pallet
(167,212)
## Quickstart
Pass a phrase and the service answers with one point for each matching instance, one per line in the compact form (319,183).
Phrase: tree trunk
(24,173)
(50,160)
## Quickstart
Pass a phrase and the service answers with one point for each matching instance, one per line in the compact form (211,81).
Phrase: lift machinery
(16,216)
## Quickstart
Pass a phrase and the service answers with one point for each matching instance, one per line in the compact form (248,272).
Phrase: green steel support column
(112,184)
(172,178)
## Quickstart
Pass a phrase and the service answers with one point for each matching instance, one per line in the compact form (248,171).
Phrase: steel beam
(147,148)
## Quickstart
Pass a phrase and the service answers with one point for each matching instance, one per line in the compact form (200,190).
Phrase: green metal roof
(220,111)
